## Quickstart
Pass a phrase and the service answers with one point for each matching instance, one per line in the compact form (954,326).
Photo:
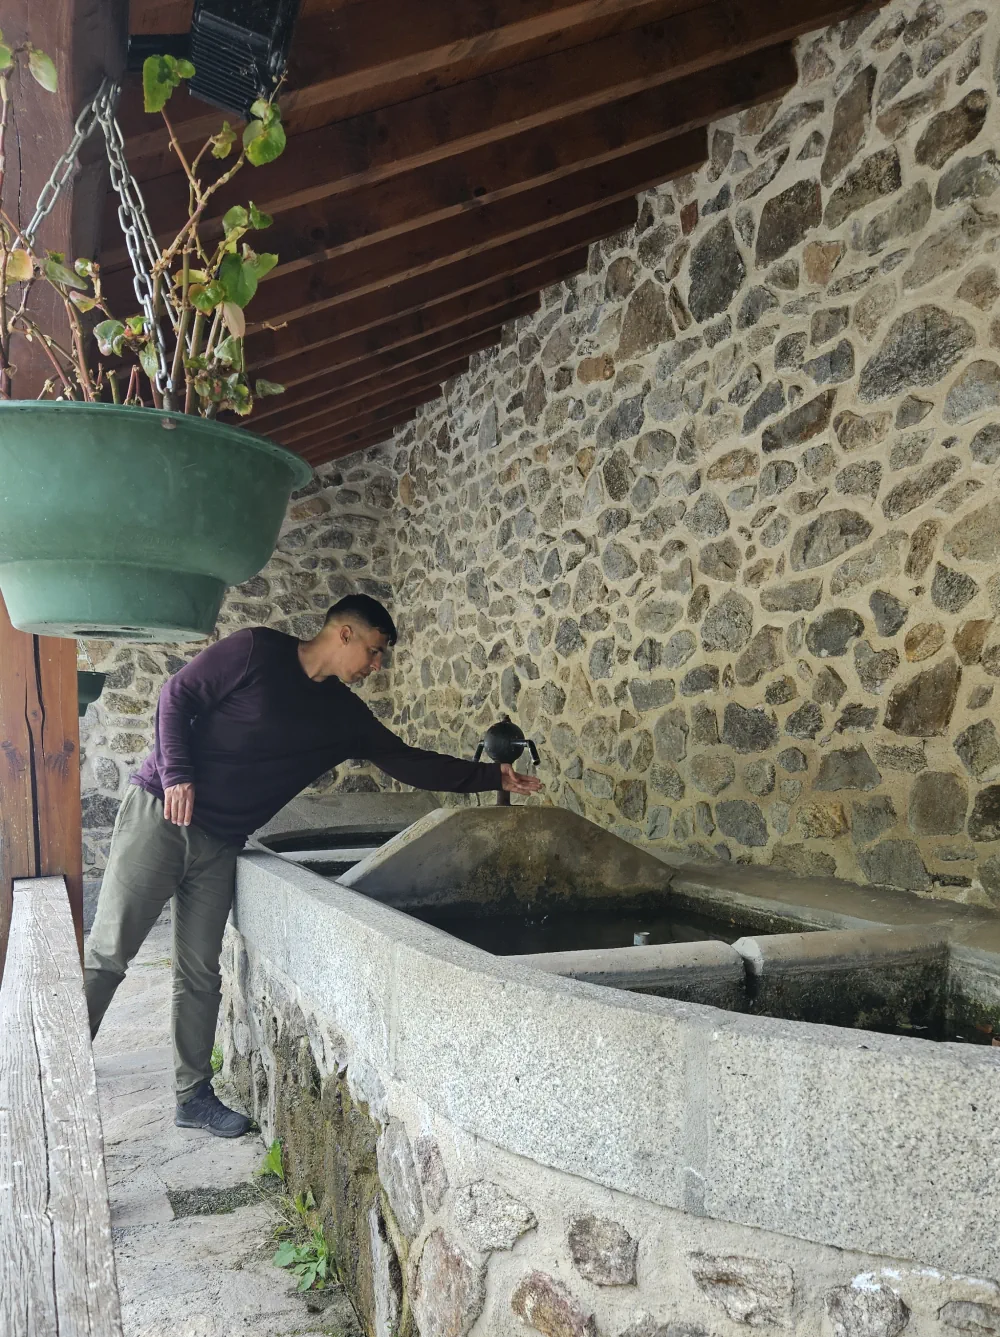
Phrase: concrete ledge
(834,1136)
(699,972)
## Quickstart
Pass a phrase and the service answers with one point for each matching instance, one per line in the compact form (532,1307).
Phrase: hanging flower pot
(129,523)
(88,688)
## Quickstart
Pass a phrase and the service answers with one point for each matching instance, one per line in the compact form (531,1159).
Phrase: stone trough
(628,1141)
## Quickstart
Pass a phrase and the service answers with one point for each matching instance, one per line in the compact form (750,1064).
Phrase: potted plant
(126,505)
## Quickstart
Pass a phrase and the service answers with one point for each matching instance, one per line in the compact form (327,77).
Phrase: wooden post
(40,826)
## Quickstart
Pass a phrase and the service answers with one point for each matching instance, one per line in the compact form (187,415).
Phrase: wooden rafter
(446,163)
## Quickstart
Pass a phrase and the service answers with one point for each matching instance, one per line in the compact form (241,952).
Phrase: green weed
(309,1262)
(271,1164)
(216,1058)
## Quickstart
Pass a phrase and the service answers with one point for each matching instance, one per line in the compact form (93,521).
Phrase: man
(240,730)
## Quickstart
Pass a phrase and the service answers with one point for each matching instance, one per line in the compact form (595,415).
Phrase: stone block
(603,1251)
(489,1217)
(449,1289)
(548,1307)
(398,1174)
(758,1292)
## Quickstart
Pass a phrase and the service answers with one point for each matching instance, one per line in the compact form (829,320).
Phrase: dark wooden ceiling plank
(378,53)
(324,280)
(398,138)
(467,181)
(378,396)
(334,348)
(340,447)
(336,378)
(424,352)
(495,225)
(391,365)
(369,421)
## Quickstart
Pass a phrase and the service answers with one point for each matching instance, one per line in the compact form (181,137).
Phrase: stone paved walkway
(185,1275)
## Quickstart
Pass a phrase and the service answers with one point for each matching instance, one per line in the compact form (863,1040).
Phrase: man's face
(359,652)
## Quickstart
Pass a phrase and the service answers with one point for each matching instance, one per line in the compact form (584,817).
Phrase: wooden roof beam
(370,148)
(394,298)
(431,194)
(338,349)
(380,395)
(339,447)
(366,422)
(384,369)
(441,244)
(363,56)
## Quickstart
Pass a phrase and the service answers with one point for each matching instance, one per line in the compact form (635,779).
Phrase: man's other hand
(178,804)
(518,784)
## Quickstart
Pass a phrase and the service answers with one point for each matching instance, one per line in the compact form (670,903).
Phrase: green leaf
(264,388)
(84,267)
(206,297)
(238,278)
(285,1255)
(266,145)
(43,70)
(136,324)
(259,219)
(19,267)
(109,335)
(185,69)
(271,1165)
(227,351)
(148,360)
(82,302)
(260,108)
(6,56)
(57,273)
(236,217)
(159,79)
(263,264)
(223,142)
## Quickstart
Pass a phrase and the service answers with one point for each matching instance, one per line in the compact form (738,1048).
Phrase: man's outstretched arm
(435,770)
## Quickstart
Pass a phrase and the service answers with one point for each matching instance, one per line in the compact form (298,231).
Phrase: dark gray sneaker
(205,1110)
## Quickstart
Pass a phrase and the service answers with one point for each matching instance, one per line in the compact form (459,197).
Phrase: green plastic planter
(129,523)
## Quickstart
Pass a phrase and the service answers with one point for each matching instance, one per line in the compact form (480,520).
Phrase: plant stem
(82,371)
(116,394)
(182,324)
(197,333)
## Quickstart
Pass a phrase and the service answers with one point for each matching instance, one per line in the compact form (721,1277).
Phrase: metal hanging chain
(63,169)
(132,216)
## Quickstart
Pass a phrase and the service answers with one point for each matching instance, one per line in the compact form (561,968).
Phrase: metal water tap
(504,742)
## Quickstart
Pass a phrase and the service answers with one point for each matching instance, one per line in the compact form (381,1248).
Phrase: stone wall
(716,526)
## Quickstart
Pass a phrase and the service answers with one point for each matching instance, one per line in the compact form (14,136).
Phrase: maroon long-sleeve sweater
(246,725)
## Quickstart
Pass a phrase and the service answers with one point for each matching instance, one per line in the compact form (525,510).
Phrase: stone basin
(485,1127)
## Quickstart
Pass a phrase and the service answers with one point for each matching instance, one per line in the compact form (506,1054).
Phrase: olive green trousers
(152,861)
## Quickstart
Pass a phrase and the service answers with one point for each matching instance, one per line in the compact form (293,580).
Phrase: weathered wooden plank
(39,766)
(361,56)
(449,343)
(346,313)
(437,191)
(331,415)
(352,417)
(57,1272)
(483,229)
(338,349)
(539,93)
(351,442)
(367,422)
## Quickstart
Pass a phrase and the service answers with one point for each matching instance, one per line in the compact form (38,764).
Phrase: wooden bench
(57,1270)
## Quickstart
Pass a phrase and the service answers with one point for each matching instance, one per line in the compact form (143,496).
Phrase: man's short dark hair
(366,610)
